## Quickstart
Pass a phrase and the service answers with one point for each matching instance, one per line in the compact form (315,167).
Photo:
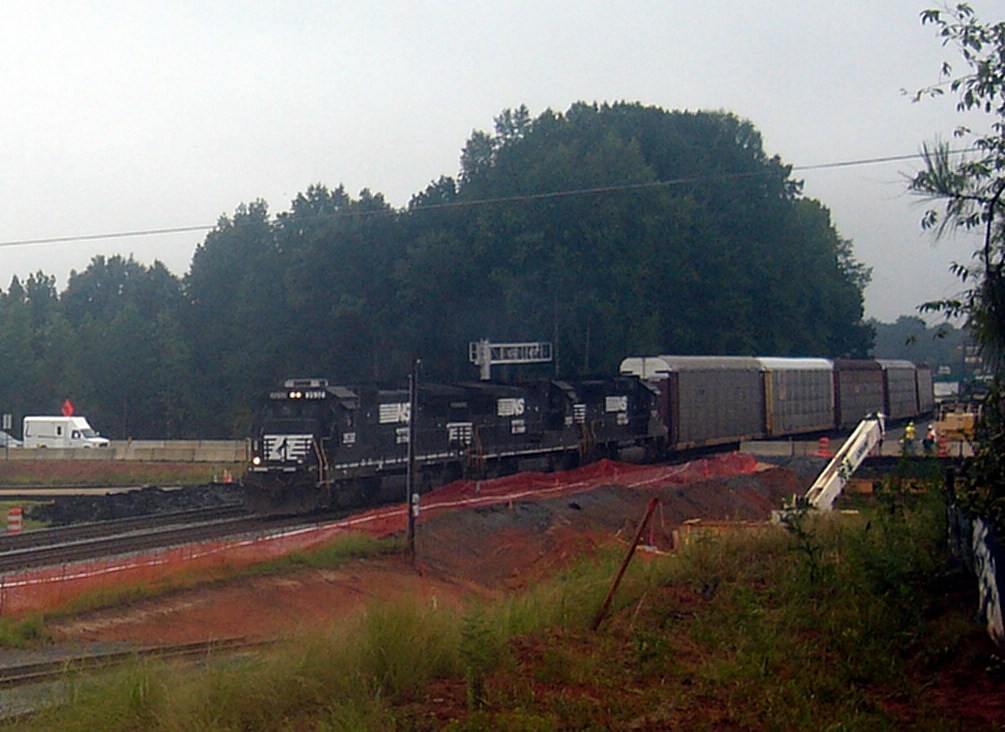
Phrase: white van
(60,432)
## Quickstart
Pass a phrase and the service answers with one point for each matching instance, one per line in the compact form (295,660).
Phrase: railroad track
(37,671)
(105,539)
(26,688)
(53,547)
(44,490)
(37,538)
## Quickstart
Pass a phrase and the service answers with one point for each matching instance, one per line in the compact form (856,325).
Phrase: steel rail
(158,535)
(36,671)
(37,538)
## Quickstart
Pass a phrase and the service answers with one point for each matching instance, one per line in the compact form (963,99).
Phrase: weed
(652,652)
(23,633)
(480,650)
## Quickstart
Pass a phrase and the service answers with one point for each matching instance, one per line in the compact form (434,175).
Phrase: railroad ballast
(320,445)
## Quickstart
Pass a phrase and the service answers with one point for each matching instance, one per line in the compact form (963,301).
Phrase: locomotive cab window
(305,416)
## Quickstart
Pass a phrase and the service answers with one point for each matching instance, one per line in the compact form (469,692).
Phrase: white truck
(60,432)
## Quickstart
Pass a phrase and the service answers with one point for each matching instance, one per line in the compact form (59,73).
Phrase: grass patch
(24,632)
(332,555)
(44,473)
(26,506)
(827,627)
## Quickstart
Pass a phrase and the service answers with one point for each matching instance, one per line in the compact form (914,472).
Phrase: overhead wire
(517,198)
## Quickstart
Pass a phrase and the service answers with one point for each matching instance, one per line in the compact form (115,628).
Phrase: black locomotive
(320,445)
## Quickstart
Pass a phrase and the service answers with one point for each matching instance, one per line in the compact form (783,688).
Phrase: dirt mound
(485,550)
(510,545)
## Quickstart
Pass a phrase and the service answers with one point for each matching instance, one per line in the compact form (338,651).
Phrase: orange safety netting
(42,589)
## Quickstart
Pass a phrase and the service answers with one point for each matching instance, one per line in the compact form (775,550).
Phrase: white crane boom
(829,484)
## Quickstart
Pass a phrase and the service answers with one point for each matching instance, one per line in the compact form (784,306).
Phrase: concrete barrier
(176,451)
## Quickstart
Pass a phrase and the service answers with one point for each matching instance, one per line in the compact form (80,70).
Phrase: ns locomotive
(324,446)
(321,445)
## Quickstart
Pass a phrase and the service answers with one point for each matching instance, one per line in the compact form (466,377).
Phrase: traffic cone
(824,448)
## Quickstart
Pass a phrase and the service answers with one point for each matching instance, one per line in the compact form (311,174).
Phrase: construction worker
(930,439)
(909,438)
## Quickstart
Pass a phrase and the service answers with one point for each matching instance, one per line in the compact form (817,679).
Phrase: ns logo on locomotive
(320,445)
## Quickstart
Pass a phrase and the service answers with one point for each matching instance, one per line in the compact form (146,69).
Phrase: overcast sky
(132,116)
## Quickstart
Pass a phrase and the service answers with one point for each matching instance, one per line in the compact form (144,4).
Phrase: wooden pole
(624,565)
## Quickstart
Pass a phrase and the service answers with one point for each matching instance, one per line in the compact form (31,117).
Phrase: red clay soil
(484,551)
(481,551)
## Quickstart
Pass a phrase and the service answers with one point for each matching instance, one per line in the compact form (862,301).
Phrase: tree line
(609,230)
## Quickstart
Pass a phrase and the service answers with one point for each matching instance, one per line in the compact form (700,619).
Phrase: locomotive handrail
(322,456)
(476,450)
(587,439)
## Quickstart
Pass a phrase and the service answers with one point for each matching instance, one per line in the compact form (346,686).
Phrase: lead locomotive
(320,445)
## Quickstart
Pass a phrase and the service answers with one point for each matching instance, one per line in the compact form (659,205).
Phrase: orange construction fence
(47,588)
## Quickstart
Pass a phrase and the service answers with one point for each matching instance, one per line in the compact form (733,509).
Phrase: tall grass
(785,630)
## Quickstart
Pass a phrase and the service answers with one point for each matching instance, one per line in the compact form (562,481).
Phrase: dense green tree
(125,318)
(911,338)
(971,189)
(35,345)
(20,336)
(624,228)
(236,320)
(340,259)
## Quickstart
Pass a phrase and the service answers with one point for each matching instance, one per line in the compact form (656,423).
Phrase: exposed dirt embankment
(482,551)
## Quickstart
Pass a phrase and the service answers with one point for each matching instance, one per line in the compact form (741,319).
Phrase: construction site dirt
(496,547)
(500,546)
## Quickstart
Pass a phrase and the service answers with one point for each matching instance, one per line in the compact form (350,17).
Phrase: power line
(116,235)
(627,187)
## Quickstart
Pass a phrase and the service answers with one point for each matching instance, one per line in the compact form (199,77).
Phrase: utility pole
(411,502)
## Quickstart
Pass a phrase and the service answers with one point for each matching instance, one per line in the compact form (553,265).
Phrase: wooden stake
(624,565)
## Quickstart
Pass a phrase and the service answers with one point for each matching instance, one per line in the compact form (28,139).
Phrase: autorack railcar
(858,390)
(900,389)
(705,400)
(798,395)
(720,400)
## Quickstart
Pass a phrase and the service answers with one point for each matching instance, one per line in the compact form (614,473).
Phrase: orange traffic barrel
(15,521)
